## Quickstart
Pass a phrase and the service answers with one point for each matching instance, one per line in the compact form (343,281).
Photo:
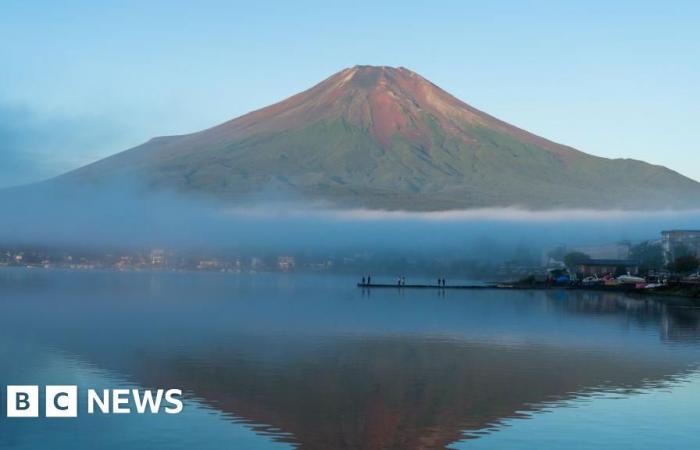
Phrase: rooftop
(610,262)
(680,231)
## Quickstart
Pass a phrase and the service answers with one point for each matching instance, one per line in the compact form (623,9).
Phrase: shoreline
(685,290)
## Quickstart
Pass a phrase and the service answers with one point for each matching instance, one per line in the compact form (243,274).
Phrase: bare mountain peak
(372,76)
(386,137)
(391,102)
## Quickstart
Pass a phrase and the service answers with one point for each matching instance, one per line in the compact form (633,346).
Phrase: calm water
(311,362)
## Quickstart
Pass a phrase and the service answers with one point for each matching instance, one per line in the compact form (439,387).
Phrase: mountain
(383,137)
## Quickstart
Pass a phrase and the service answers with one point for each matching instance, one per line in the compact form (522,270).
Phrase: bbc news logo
(63,401)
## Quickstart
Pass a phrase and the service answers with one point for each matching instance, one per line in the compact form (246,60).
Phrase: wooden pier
(682,289)
(431,286)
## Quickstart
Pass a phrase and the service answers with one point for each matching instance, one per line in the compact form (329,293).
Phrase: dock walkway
(429,286)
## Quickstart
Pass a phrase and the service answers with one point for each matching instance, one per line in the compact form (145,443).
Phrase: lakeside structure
(651,257)
(677,243)
(601,267)
(614,251)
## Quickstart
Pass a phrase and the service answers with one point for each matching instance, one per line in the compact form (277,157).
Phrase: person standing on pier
(369,279)
(363,281)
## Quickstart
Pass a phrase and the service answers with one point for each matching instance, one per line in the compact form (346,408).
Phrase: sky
(81,80)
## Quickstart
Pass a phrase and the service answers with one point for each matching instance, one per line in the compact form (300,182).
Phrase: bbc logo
(60,401)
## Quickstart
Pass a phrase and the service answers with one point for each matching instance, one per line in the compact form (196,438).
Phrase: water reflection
(677,319)
(398,393)
(313,362)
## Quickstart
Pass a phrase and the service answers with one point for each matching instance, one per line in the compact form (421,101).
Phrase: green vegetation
(649,255)
(685,264)
(573,259)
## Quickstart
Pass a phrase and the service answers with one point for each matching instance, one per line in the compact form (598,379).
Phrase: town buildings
(677,243)
(602,267)
(615,250)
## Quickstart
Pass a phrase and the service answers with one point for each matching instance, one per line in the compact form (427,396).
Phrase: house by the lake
(602,267)
(677,243)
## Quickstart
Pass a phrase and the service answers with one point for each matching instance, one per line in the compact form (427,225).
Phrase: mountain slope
(382,137)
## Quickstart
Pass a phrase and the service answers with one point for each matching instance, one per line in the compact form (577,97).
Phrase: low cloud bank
(510,214)
(35,146)
(52,216)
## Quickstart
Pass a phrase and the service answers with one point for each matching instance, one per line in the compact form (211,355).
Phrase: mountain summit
(384,137)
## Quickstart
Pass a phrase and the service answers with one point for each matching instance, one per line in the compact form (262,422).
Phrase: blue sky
(81,80)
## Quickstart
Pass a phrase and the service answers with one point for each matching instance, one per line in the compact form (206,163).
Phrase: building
(602,267)
(286,262)
(616,250)
(158,257)
(209,264)
(554,258)
(257,263)
(677,243)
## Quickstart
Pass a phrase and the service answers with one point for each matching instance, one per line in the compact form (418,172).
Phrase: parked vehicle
(590,281)
(563,279)
(631,279)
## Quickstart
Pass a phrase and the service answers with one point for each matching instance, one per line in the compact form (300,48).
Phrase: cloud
(510,214)
(17,164)
(55,215)
(36,146)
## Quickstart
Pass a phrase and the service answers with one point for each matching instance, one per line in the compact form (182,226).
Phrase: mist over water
(65,216)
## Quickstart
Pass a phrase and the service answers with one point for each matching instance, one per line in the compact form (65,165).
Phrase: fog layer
(49,215)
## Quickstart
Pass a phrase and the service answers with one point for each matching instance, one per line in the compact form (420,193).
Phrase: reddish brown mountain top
(384,100)
(387,138)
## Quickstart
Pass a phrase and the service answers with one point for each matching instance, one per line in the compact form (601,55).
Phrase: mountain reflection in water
(316,363)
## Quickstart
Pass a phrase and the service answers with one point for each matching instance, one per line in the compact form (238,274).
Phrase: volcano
(387,138)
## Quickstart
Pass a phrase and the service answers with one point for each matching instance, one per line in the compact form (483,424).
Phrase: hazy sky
(80,80)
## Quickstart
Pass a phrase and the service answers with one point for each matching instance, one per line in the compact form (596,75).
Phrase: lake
(272,361)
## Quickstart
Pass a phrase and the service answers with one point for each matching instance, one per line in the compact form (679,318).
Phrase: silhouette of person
(369,279)
(363,280)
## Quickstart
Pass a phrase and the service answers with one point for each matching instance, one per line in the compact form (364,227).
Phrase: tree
(680,250)
(556,273)
(620,270)
(558,253)
(685,264)
(573,259)
(649,255)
